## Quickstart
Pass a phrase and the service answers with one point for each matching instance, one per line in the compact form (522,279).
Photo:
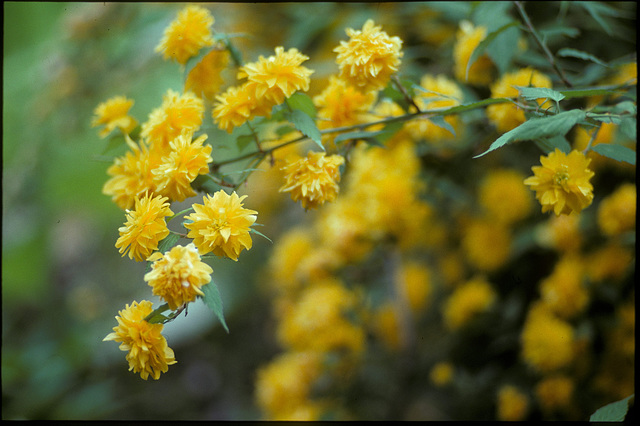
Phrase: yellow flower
(617,212)
(145,227)
(238,105)
(313,180)
(177,275)
(205,79)
(554,392)
(440,93)
(149,353)
(611,262)
(468,38)
(414,282)
(285,383)
(292,247)
(278,77)
(486,244)
(387,327)
(547,341)
(562,182)
(563,291)
(561,233)
(513,404)
(187,159)
(187,34)
(369,58)
(507,116)
(441,374)
(221,225)
(468,299)
(177,113)
(504,197)
(114,113)
(131,174)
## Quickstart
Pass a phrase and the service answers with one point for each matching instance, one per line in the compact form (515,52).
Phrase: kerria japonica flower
(562,182)
(187,34)
(148,352)
(178,275)
(369,58)
(221,225)
(114,113)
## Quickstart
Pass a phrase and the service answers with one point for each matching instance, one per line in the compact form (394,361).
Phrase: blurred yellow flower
(561,233)
(238,105)
(512,404)
(221,225)
(176,114)
(564,291)
(486,244)
(482,70)
(562,182)
(468,299)
(414,282)
(617,212)
(114,113)
(547,341)
(187,159)
(369,58)
(145,227)
(507,116)
(284,385)
(441,374)
(504,197)
(187,34)
(610,262)
(149,353)
(313,180)
(131,174)
(205,79)
(554,393)
(177,275)
(278,77)
(386,326)
(292,247)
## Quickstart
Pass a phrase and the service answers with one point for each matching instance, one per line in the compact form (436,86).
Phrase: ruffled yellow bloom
(205,79)
(369,58)
(486,244)
(562,182)
(468,38)
(131,174)
(504,197)
(313,180)
(507,116)
(563,291)
(441,374)
(468,299)
(187,159)
(149,353)
(440,93)
(177,275)
(187,34)
(285,383)
(145,227)
(221,225)
(554,393)
(617,212)
(513,404)
(238,105)
(278,77)
(114,113)
(547,341)
(176,114)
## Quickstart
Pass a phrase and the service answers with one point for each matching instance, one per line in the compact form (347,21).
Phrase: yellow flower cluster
(617,212)
(468,38)
(562,182)
(554,393)
(564,290)
(513,404)
(313,180)
(369,58)
(148,352)
(504,197)
(114,113)
(187,34)
(480,234)
(469,299)
(205,79)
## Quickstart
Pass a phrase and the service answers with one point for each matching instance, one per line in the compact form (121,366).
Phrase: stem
(593,138)
(542,44)
(402,90)
(179,213)
(255,136)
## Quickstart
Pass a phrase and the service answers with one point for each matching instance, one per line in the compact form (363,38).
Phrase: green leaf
(244,140)
(471,106)
(442,123)
(195,60)
(484,44)
(357,134)
(302,101)
(259,233)
(591,91)
(538,128)
(531,93)
(574,53)
(596,10)
(306,125)
(548,145)
(616,152)
(614,412)
(628,128)
(168,242)
(114,142)
(213,300)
